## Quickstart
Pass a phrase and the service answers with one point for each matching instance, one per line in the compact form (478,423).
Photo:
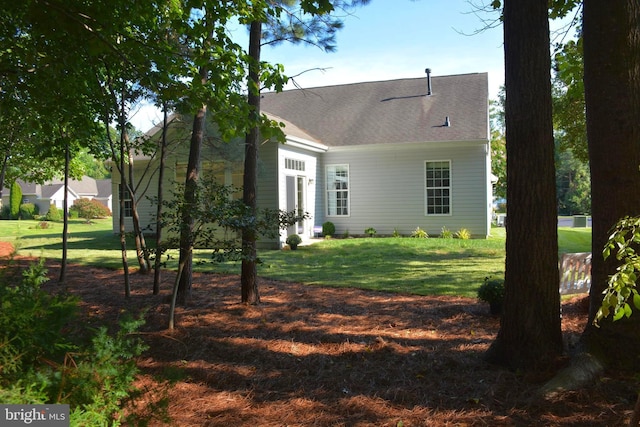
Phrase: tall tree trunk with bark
(611,32)
(530,334)
(190,199)
(160,199)
(249,275)
(65,216)
(142,254)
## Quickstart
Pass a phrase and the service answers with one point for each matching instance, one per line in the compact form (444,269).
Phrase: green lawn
(422,266)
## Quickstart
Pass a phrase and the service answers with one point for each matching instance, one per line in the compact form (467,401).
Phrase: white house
(52,192)
(392,155)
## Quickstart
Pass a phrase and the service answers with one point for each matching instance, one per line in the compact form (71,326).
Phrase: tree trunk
(65,216)
(249,279)
(190,199)
(141,246)
(612,95)
(123,234)
(160,199)
(530,334)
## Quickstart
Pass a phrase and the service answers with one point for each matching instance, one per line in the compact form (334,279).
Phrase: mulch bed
(313,356)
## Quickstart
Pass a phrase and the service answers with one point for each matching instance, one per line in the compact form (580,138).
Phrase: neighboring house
(392,155)
(52,193)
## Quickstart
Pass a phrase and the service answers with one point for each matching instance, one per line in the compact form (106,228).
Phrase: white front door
(296,202)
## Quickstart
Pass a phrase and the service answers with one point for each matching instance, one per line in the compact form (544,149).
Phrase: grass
(421,266)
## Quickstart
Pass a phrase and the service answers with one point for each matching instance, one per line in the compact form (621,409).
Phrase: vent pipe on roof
(447,122)
(428,71)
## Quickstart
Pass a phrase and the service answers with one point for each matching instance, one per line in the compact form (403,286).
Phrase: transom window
(337,188)
(294,164)
(438,187)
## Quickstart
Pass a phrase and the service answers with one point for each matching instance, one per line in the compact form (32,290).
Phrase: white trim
(450,186)
(305,144)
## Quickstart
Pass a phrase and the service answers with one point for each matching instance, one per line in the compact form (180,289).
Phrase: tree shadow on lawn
(326,356)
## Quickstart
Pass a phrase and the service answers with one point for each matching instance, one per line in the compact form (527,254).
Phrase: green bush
(53,214)
(370,231)
(492,291)
(15,200)
(28,211)
(44,359)
(5,213)
(90,209)
(419,233)
(293,241)
(328,229)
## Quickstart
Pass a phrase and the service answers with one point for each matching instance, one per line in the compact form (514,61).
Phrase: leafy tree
(572,184)
(15,200)
(498,146)
(530,334)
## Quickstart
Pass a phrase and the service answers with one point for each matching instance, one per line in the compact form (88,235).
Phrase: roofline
(305,144)
(374,81)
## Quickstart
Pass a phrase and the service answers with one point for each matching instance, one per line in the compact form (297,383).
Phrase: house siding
(387,188)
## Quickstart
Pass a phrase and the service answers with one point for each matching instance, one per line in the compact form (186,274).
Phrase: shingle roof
(388,111)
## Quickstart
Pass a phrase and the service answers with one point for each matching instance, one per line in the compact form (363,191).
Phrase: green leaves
(623,242)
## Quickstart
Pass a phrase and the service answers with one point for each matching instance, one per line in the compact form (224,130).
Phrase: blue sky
(391,39)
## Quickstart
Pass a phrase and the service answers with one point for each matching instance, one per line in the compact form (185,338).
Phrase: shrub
(463,234)
(28,210)
(5,213)
(346,234)
(445,233)
(419,233)
(293,241)
(43,358)
(492,291)
(396,233)
(53,214)
(90,209)
(15,200)
(370,231)
(328,229)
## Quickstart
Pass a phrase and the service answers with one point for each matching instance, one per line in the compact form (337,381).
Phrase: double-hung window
(438,187)
(337,188)
(128,202)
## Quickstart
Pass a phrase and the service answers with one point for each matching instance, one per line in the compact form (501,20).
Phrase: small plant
(43,225)
(492,291)
(28,210)
(346,234)
(463,234)
(445,233)
(419,233)
(293,241)
(396,233)
(370,231)
(328,229)
(53,214)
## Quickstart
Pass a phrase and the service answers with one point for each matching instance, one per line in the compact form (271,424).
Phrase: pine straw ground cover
(312,356)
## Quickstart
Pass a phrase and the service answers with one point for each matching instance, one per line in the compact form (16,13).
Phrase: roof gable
(388,111)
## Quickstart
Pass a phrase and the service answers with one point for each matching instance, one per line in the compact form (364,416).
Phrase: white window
(294,164)
(337,190)
(438,187)
(128,202)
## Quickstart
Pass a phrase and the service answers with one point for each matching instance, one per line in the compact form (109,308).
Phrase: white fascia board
(305,144)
